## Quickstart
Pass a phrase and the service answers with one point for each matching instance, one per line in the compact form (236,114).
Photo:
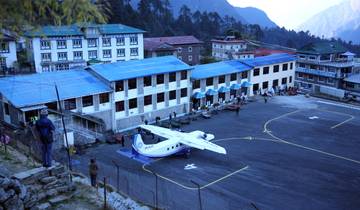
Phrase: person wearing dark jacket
(45,128)
(93,170)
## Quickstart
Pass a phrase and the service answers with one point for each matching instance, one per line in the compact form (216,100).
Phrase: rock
(51,185)
(58,170)
(41,196)
(62,189)
(43,206)
(4,196)
(31,202)
(23,192)
(35,188)
(47,180)
(14,203)
(5,183)
(51,193)
(58,199)
(16,186)
(27,174)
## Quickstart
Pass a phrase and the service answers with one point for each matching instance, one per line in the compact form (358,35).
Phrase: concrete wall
(11,55)
(185,53)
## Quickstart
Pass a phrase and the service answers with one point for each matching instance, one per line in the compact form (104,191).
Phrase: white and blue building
(121,95)
(53,48)
(8,55)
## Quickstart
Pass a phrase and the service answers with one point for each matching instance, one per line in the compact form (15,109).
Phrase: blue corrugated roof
(268,60)
(34,89)
(139,68)
(219,68)
(76,30)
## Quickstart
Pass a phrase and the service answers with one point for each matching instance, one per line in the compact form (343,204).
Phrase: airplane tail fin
(137,142)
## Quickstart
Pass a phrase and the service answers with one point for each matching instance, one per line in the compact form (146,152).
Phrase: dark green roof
(319,48)
(77,30)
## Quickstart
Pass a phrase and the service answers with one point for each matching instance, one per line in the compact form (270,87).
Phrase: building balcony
(317,72)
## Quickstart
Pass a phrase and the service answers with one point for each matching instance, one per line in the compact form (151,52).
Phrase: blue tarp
(268,60)
(210,92)
(246,84)
(223,89)
(198,95)
(139,68)
(35,89)
(235,87)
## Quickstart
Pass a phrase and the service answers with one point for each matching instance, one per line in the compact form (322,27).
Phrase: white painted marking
(190,166)
(313,117)
(340,105)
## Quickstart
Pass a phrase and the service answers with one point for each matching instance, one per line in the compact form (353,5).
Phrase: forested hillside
(156,17)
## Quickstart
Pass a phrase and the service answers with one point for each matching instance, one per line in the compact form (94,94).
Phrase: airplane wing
(159,131)
(202,144)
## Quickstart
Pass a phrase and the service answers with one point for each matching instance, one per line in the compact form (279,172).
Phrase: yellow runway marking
(304,147)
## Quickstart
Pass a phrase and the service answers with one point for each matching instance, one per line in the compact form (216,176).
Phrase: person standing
(93,170)
(265,98)
(237,110)
(45,128)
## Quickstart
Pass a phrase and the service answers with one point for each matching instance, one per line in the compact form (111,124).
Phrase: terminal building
(53,48)
(328,68)
(121,95)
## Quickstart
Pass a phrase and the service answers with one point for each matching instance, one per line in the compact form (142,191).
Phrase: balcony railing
(317,72)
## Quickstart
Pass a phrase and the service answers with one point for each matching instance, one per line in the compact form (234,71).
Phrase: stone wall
(38,188)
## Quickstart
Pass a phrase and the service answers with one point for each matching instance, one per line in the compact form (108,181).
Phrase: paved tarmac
(291,153)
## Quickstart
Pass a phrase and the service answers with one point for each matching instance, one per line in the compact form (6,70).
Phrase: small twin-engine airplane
(176,142)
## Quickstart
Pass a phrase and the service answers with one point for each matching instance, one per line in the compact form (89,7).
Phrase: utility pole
(65,132)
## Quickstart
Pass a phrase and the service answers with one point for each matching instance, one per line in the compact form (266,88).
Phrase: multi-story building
(326,67)
(188,47)
(8,55)
(230,48)
(53,48)
(157,49)
(222,81)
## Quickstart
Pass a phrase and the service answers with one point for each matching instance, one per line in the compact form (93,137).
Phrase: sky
(288,13)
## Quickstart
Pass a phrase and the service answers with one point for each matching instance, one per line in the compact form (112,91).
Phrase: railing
(317,72)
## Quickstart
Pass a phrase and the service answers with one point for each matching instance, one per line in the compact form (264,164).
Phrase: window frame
(87,103)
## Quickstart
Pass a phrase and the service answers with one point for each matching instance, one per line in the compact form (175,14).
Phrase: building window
(276,68)
(183,75)
(119,86)
(331,81)
(209,81)
(2,62)
(77,43)
(284,81)
(233,77)
(92,54)
(256,72)
(70,104)
(62,66)
(222,79)
(87,101)
(190,57)
(120,41)
(134,51)
(45,68)
(290,79)
(196,84)
(133,40)
(266,70)
(61,44)
(172,95)
(133,103)
(291,66)
(322,79)
(160,97)
(45,45)
(300,75)
(190,49)
(179,50)
(285,67)
(180,57)
(244,75)
(310,77)
(104,98)
(265,85)
(78,55)
(256,87)
(45,57)
(62,56)
(183,92)
(106,42)
(147,100)
(119,106)
(147,81)
(106,53)
(92,42)
(132,83)
(275,83)
(160,79)
(172,77)
(120,52)
(6,109)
